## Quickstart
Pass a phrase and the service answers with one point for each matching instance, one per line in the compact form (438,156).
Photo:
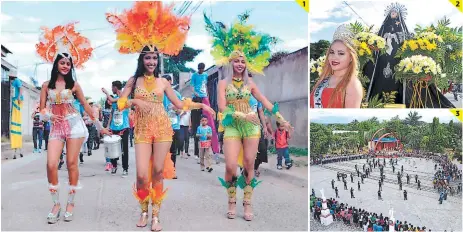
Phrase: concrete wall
(184,82)
(286,82)
(31,98)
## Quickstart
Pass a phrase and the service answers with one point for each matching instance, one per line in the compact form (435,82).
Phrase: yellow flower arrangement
(430,36)
(425,41)
(416,67)
(316,66)
(367,42)
(422,44)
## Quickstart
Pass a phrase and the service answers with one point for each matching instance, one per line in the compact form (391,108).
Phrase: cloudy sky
(327,15)
(21,21)
(345,116)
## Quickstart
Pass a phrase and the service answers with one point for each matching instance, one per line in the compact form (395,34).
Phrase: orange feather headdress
(64,39)
(149,24)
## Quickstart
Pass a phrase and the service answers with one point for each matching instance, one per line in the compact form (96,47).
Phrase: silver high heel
(54,218)
(69,216)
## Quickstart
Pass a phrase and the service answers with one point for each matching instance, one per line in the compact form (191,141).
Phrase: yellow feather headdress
(240,41)
(150,24)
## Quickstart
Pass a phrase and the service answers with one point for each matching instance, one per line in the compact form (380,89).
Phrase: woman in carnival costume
(339,86)
(240,50)
(66,49)
(150,28)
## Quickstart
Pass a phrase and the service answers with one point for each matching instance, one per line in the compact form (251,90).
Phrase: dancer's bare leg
(250,152)
(142,156)
(55,148)
(160,151)
(72,153)
(232,148)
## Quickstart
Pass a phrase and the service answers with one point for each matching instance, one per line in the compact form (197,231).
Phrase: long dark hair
(68,78)
(107,105)
(141,66)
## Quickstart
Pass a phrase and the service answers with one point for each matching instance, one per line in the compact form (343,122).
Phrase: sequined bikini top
(153,96)
(238,97)
(63,97)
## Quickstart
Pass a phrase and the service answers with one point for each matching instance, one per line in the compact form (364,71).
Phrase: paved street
(457,104)
(421,209)
(195,201)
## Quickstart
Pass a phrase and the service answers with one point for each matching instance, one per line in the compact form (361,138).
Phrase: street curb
(7,152)
(7,145)
(280,174)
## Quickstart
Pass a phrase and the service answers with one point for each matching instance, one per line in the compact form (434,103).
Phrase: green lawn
(293,151)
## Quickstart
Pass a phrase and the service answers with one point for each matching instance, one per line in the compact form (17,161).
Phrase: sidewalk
(27,149)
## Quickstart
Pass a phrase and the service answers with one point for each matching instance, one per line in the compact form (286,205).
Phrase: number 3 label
(458,113)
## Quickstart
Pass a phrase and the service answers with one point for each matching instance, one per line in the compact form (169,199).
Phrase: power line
(188,4)
(196,8)
(355,13)
(39,31)
(181,8)
(104,44)
(97,47)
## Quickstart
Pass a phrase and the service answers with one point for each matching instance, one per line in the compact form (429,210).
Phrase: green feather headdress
(240,40)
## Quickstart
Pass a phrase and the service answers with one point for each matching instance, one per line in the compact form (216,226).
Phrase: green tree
(318,49)
(176,64)
(278,55)
(435,137)
(424,142)
(413,118)
(320,139)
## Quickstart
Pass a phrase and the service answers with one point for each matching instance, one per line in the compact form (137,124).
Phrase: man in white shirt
(185,127)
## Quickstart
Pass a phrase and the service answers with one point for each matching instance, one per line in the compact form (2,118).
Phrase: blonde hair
(327,71)
(227,73)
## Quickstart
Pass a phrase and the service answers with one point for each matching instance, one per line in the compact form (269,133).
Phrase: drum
(112,146)
(205,144)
